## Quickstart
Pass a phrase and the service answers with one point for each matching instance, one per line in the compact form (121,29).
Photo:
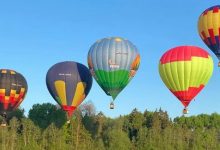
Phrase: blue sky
(34,35)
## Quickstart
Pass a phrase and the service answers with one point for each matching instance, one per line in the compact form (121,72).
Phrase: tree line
(46,128)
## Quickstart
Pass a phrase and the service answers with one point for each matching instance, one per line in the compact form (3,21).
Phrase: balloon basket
(185,111)
(4,123)
(219,64)
(112,106)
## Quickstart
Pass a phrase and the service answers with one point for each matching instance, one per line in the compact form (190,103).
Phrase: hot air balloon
(113,62)
(69,83)
(13,88)
(209,29)
(185,70)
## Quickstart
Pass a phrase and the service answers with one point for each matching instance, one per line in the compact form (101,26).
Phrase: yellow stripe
(22,89)
(4,71)
(2,90)
(61,91)
(201,27)
(6,98)
(12,72)
(205,25)
(79,94)
(13,91)
(216,23)
(118,39)
(209,20)
(180,75)
(16,96)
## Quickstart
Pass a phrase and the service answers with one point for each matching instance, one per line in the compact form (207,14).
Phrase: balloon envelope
(69,83)
(209,28)
(113,62)
(185,70)
(13,88)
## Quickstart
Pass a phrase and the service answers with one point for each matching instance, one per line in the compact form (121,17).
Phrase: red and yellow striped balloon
(185,70)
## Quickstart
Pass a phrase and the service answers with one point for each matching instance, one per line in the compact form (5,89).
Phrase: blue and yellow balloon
(69,83)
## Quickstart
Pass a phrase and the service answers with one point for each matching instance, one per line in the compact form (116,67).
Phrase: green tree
(116,139)
(54,139)
(45,114)
(30,135)
(142,141)
(136,120)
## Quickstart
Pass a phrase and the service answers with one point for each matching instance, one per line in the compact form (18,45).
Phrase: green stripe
(114,81)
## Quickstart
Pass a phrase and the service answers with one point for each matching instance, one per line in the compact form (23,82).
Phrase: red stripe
(12,100)
(211,33)
(17,104)
(183,53)
(21,95)
(205,12)
(215,10)
(186,96)
(2,98)
(205,39)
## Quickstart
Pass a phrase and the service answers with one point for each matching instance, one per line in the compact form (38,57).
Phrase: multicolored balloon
(113,62)
(13,88)
(209,29)
(185,70)
(69,83)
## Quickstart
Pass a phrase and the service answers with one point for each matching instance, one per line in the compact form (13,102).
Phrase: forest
(46,128)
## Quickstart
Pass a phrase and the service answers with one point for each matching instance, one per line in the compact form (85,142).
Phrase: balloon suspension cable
(112,106)
(4,123)
(68,116)
(185,111)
